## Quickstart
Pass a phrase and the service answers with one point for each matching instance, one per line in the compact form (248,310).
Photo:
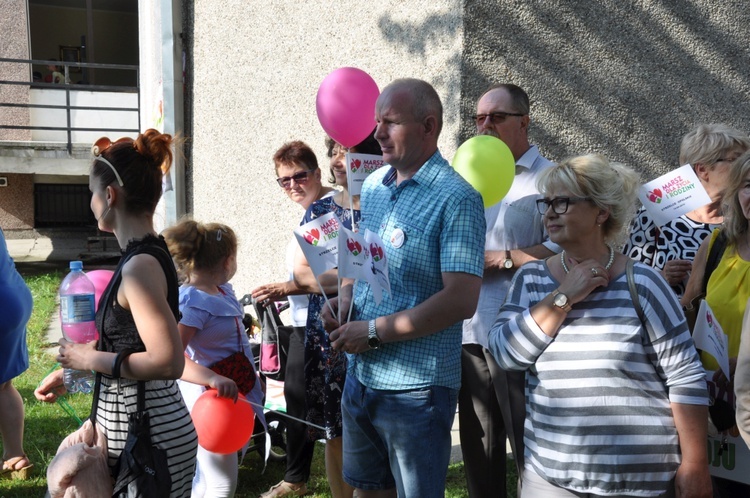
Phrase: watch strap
(372,335)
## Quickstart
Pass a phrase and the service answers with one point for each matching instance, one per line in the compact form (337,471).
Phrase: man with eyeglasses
(491,401)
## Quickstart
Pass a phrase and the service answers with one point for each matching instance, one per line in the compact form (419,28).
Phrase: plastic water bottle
(77,311)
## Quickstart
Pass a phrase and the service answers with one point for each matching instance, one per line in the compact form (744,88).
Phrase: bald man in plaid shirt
(404,354)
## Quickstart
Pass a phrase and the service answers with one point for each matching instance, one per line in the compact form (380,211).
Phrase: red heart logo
(312,237)
(377,252)
(655,195)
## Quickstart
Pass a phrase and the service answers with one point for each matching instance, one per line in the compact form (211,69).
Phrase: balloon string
(283,414)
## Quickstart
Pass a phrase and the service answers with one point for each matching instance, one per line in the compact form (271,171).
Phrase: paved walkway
(43,249)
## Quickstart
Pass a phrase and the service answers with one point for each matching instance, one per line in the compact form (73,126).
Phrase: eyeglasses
(559,204)
(300,178)
(496,117)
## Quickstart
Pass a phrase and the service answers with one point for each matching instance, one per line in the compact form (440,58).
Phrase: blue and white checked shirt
(442,218)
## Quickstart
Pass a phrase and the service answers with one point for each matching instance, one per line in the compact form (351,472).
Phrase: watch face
(508,264)
(373,342)
(561,300)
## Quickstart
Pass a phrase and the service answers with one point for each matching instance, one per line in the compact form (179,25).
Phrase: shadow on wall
(418,38)
(627,79)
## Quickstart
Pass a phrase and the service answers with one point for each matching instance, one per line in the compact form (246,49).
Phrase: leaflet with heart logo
(672,195)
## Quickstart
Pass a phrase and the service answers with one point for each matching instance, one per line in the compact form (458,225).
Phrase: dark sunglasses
(496,117)
(300,178)
(559,204)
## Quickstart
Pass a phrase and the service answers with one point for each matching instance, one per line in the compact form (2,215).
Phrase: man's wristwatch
(507,262)
(561,301)
(372,336)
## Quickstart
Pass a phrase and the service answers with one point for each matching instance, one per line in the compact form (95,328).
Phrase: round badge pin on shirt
(397,238)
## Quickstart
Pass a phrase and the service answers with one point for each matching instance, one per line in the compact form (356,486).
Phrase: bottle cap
(76,265)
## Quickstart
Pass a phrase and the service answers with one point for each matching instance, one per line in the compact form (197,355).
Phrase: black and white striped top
(171,427)
(598,416)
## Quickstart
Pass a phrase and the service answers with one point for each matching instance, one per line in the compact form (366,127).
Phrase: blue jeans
(397,438)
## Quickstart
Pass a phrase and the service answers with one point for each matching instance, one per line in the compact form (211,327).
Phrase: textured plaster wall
(627,79)
(17,202)
(14,44)
(256,68)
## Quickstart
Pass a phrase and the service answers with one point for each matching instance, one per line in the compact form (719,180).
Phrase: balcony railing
(68,89)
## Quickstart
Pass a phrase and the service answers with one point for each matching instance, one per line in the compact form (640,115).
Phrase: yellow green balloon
(488,165)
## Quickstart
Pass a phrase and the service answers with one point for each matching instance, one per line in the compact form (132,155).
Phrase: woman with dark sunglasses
(616,400)
(325,369)
(299,177)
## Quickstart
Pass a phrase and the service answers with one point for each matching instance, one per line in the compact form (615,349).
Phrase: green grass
(47,424)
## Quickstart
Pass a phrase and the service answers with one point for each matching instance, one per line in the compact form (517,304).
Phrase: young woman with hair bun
(211,331)
(138,311)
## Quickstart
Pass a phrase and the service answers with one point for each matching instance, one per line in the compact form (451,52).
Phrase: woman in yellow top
(728,289)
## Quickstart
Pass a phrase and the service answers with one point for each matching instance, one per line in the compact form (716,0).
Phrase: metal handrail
(67,88)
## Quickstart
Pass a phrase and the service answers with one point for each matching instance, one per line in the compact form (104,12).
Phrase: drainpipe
(161,98)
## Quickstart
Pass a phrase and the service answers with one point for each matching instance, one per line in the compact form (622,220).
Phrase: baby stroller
(269,340)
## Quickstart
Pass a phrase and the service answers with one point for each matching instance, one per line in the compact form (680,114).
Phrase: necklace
(606,267)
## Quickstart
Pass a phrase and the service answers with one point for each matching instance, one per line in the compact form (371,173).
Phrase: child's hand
(51,387)
(225,387)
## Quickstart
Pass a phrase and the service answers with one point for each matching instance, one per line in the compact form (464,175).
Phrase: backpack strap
(714,256)
(634,291)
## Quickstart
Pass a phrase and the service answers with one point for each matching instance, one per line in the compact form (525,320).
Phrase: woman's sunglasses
(300,178)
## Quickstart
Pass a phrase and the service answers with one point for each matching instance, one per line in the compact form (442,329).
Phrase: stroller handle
(248,300)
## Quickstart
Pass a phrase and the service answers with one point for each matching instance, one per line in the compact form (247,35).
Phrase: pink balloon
(346,105)
(100,279)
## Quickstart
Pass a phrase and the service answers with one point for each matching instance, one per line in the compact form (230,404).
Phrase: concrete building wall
(17,202)
(256,68)
(14,44)
(627,79)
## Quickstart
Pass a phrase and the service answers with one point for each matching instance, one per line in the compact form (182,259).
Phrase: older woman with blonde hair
(616,399)
(710,149)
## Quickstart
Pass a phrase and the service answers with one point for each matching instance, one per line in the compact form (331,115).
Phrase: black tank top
(115,324)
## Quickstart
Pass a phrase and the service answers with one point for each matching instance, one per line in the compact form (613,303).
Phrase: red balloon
(100,279)
(223,426)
